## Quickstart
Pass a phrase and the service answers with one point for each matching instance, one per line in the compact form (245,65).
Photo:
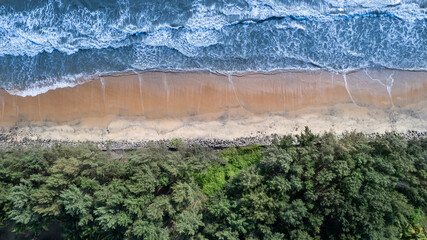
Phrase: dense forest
(300,187)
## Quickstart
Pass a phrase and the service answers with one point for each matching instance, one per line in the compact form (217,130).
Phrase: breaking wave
(49,41)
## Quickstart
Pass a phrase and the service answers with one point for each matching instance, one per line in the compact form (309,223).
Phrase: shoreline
(37,89)
(155,106)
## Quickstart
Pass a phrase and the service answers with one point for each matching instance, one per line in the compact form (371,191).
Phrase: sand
(156,105)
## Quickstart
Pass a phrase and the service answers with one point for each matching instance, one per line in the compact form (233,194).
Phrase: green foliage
(176,143)
(416,229)
(323,187)
(77,205)
(235,159)
(300,187)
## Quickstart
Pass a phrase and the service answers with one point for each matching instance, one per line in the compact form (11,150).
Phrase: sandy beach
(156,105)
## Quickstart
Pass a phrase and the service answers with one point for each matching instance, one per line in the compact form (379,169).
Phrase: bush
(235,159)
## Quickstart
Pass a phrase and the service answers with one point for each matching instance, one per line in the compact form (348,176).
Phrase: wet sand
(163,105)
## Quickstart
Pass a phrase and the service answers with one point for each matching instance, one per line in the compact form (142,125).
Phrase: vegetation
(234,160)
(308,187)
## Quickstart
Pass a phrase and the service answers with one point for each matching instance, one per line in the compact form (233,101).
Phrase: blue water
(43,42)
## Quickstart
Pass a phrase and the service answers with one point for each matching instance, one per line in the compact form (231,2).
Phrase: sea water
(53,43)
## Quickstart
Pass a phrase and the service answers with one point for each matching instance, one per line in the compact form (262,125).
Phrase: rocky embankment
(9,141)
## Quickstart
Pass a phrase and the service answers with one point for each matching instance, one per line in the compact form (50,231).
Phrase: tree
(301,187)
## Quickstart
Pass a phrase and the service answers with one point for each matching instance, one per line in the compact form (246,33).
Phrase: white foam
(44,29)
(347,88)
(50,84)
(202,38)
(36,90)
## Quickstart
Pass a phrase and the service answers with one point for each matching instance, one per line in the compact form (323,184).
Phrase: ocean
(46,44)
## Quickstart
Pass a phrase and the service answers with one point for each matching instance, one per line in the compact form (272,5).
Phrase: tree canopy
(301,187)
